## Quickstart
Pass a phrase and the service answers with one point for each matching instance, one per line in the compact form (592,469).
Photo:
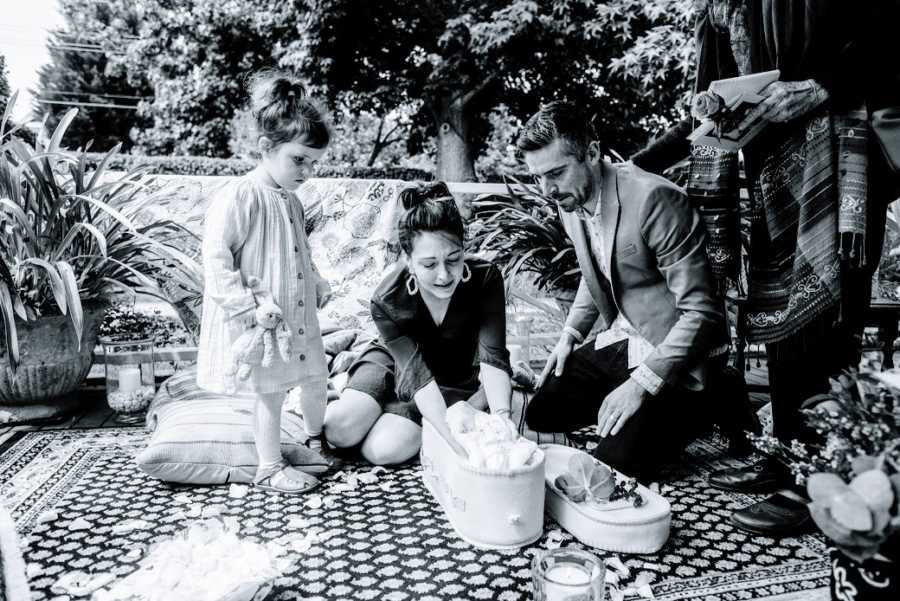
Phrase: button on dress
(253,229)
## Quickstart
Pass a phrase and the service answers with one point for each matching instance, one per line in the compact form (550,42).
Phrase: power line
(67,93)
(70,48)
(84,34)
(130,107)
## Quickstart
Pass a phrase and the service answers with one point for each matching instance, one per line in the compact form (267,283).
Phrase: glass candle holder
(130,379)
(568,575)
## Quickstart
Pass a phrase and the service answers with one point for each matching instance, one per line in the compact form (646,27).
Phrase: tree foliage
(195,56)
(461,58)
(4,85)
(358,138)
(449,63)
(78,72)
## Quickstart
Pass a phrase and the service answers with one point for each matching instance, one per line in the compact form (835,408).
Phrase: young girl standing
(255,228)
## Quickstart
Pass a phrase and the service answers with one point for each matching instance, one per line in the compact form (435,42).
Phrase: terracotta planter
(50,367)
(871,580)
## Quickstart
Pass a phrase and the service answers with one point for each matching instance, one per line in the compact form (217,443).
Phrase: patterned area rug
(384,540)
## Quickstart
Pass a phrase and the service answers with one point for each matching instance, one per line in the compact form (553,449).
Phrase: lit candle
(565,580)
(129,378)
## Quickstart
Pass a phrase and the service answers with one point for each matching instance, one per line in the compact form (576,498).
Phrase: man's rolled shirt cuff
(648,380)
(574,333)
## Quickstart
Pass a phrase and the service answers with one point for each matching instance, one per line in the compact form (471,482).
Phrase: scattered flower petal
(238,491)
(48,516)
(80,584)
(614,563)
(616,594)
(284,564)
(297,522)
(554,539)
(127,526)
(79,524)
(213,511)
(207,560)
(368,478)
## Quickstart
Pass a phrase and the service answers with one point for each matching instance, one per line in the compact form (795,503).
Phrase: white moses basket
(616,526)
(487,508)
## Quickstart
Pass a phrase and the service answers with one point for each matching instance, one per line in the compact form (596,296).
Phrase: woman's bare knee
(392,440)
(349,419)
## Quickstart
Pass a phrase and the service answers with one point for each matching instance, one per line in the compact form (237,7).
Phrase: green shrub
(186,165)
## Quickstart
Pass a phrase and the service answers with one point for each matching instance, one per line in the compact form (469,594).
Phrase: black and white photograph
(449,300)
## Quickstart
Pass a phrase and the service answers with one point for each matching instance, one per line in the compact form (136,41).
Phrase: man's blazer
(660,278)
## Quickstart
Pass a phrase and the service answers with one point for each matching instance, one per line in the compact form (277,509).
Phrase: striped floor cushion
(204,438)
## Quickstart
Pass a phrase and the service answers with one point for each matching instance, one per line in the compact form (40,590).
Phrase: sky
(24,26)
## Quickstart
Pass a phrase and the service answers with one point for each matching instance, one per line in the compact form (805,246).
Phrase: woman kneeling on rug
(440,317)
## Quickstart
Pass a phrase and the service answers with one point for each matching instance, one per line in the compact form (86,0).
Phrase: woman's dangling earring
(467,273)
(412,285)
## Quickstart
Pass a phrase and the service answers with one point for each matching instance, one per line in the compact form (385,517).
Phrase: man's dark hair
(557,120)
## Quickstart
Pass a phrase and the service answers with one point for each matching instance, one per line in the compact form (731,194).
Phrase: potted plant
(522,233)
(70,234)
(853,480)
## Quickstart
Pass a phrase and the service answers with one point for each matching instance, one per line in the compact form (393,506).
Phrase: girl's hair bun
(420,192)
(287,90)
(283,112)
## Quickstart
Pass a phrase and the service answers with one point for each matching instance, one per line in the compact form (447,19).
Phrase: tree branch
(465,98)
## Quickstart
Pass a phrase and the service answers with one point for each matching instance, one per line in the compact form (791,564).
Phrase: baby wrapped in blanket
(491,441)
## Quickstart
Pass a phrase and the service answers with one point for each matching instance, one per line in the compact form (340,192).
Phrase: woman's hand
(457,448)
(786,101)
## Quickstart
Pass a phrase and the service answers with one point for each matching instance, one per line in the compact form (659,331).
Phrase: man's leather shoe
(783,514)
(763,476)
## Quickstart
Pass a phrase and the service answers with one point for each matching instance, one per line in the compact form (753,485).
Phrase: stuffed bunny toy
(257,345)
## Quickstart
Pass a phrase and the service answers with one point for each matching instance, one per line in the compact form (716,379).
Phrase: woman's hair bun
(429,207)
(420,192)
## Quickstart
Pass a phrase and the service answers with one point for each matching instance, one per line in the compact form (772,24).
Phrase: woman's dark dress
(412,350)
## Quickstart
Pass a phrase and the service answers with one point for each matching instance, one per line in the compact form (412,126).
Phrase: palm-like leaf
(523,233)
(68,234)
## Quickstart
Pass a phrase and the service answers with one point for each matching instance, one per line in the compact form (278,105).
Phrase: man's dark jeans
(654,435)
